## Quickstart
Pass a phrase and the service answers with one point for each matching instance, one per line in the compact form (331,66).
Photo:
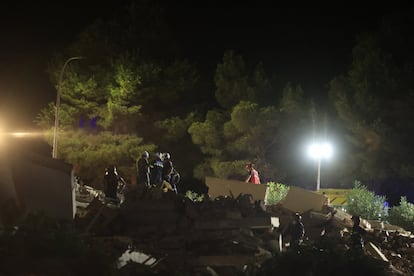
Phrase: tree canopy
(375,103)
(135,90)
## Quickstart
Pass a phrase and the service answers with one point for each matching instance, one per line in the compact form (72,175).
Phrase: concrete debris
(308,200)
(231,235)
(233,188)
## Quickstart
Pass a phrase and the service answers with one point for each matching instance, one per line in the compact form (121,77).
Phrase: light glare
(317,151)
(19,134)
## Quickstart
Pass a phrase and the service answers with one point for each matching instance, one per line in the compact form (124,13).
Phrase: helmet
(158,155)
(167,155)
(111,169)
(298,217)
(145,154)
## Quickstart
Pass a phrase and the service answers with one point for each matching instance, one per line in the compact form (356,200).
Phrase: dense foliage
(403,215)
(138,87)
(193,196)
(275,192)
(365,203)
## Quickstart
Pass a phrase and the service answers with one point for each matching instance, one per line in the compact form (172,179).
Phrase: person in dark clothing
(156,170)
(357,234)
(175,179)
(143,170)
(169,174)
(296,231)
(111,181)
(168,168)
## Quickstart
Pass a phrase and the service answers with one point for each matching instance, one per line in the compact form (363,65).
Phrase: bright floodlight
(318,151)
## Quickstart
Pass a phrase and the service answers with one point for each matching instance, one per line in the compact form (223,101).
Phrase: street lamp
(55,131)
(319,151)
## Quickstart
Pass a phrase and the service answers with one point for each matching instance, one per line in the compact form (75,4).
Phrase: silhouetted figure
(175,179)
(143,171)
(168,168)
(357,234)
(111,181)
(296,231)
(156,170)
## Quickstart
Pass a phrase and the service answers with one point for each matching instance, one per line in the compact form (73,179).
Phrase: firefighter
(168,168)
(156,170)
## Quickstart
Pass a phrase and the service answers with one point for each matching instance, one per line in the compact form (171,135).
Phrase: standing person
(253,174)
(168,168)
(169,174)
(296,231)
(111,180)
(357,235)
(143,171)
(156,170)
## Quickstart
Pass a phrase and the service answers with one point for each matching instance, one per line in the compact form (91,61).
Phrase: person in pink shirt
(253,176)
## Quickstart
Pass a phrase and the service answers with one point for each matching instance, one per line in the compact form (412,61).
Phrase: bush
(193,196)
(403,215)
(365,203)
(275,192)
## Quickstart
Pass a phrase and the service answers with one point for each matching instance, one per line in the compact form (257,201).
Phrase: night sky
(306,45)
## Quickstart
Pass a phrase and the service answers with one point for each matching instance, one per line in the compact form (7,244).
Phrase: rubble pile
(224,233)
(232,236)
(387,243)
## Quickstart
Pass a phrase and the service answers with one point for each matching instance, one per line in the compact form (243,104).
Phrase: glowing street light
(55,131)
(319,151)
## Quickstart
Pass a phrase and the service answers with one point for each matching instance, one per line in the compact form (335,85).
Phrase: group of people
(296,231)
(156,173)
(161,172)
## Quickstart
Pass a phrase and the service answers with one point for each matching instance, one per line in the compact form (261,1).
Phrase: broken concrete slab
(251,222)
(302,200)
(233,188)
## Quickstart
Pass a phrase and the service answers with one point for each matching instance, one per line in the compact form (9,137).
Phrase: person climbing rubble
(296,231)
(253,174)
(357,235)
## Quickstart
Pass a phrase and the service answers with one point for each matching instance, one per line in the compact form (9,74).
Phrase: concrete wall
(7,189)
(45,185)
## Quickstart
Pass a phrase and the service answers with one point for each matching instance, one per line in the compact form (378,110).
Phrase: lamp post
(319,151)
(57,107)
